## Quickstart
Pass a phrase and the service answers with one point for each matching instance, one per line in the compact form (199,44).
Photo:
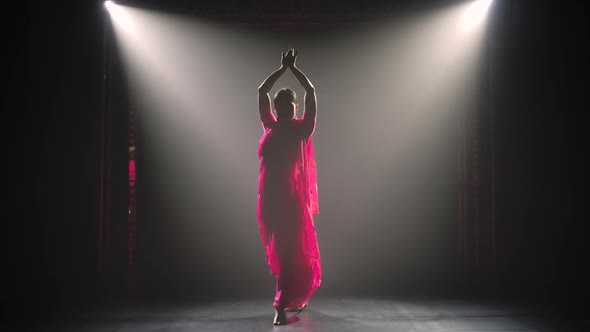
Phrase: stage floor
(324,315)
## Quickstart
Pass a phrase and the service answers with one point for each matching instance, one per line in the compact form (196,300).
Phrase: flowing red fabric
(287,201)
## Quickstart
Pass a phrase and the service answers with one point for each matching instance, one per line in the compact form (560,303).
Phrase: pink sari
(287,201)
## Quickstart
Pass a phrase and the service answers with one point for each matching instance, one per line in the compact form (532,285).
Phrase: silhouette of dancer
(287,191)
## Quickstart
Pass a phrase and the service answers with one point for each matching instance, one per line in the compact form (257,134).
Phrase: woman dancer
(287,191)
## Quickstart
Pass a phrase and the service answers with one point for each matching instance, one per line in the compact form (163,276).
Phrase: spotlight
(475,13)
(109,5)
(120,16)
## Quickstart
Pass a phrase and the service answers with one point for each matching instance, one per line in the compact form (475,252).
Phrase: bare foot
(299,308)
(280,317)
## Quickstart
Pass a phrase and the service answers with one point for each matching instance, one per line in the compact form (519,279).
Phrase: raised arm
(264,108)
(310,102)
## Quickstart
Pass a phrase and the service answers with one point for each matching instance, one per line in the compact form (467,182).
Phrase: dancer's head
(285,103)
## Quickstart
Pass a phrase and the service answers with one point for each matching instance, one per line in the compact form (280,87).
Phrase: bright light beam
(120,16)
(475,14)
(109,5)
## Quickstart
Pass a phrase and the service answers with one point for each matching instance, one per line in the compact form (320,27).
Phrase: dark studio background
(540,92)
